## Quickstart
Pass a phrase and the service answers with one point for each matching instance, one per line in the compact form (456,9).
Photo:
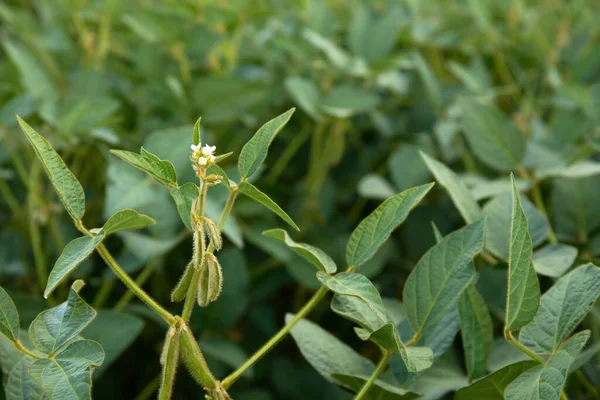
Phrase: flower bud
(211,280)
(214,234)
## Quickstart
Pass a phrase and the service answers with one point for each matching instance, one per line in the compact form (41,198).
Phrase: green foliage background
(374,83)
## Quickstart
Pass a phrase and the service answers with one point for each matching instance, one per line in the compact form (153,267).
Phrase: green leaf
(20,384)
(493,137)
(312,254)
(554,259)
(197,134)
(251,191)
(9,317)
(578,213)
(373,37)
(562,308)
(580,169)
(255,151)
(443,377)
(184,197)
(417,359)
(68,375)
(459,193)
(545,382)
(523,287)
(376,187)
(357,310)
(55,327)
(430,81)
(161,170)
(115,332)
(66,185)
(438,339)
(374,230)
(441,275)
(306,93)
(345,101)
(498,223)
(477,331)
(326,353)
(380,390)
(33,77)
(354,284)
(126,219)
(492,386)
(72,255)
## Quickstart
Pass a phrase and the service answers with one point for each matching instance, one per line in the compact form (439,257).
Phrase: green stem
(539,203)
(563,396)
(149,389)
(378,371)
(198,256)
(103,293)
(34,229)
(19,346)
(10,198)
(287,155)
(509,336)
(587,384)
(413,340)
(140,281)
(308,307)
(131,285)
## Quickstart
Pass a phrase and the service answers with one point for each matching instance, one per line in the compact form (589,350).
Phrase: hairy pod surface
(211,280)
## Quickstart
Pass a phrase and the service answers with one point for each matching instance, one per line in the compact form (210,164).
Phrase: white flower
(207,150)
(202,161)
(195,147)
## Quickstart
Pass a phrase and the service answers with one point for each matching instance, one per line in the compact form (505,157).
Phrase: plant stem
(509,336)
(149,389)
(563,396)
(587,384)
(413,340)
(378,371)
(10,198)
(198,261)
(103,293)
(308,307)
(140,280)
(34,229)
(131,285)
(539,203)
(198,257)
(19,346)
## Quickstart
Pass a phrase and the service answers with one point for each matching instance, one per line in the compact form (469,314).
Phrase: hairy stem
(140,280)
(308,307)
(131,285)
(198,256)
(509,336)
(385,359)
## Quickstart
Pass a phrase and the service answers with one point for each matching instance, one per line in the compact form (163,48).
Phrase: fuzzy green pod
(211,280)
(169,359)
(214,234)
(180,290)
(194,359)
